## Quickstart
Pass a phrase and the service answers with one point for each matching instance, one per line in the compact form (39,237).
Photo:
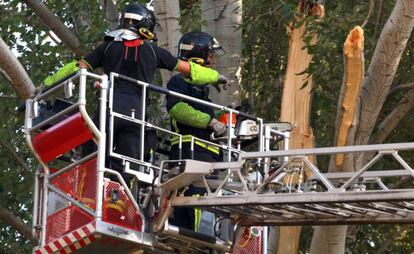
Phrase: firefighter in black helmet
(191,119)
(128,50)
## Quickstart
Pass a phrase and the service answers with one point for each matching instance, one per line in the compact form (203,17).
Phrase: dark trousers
(184,217)
(126,135)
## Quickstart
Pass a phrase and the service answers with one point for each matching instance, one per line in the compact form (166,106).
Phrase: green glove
(202,75)
(62,73)
(185,114)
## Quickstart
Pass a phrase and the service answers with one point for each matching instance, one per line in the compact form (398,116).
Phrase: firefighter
(128,50)
(192,119)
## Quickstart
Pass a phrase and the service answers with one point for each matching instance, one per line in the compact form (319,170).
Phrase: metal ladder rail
(373,206)
(41,196)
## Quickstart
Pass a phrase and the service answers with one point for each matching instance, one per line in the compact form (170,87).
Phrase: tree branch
(17,224)
(54,23)
(371,10)
(399,88)
(16,73)
(15,156)
(394,118)
(391,238)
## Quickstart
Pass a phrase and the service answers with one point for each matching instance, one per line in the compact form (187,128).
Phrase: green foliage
(190,16)
(25,33)
(265,45)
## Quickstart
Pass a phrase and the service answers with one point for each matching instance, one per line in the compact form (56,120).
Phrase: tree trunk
(375,88)
(223,18)
(110,13)
(296,106)
(15,72)
(168,34)
(380,74)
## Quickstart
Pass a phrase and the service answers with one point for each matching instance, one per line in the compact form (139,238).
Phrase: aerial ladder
(80,206)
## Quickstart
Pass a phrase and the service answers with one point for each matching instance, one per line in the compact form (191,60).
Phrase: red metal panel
(250,242)
(79,183)
(120,212)
(61,138)
(65,221)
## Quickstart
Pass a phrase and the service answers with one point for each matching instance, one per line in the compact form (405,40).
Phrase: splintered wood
(353,76)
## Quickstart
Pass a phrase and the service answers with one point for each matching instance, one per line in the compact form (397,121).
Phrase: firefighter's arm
(199,75)
(185,114)
(62,73)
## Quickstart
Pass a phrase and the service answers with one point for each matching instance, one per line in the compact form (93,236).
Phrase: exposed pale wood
(295,108)
(375,88)
(353,76)
(289,239)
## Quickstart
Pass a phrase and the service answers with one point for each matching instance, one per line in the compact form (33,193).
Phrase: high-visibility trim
(187,138)
(197,216)
(130,15)
(119,205)
(174,124)
(71,242)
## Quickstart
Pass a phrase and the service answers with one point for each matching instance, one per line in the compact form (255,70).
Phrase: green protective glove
(62,73)
(202,75)
(185,114)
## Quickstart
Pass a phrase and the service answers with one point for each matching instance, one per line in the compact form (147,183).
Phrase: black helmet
(198,45)
(136,16)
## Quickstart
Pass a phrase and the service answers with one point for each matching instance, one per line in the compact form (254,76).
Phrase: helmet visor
(217,48)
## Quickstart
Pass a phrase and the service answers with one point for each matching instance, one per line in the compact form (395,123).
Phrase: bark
(331,234)
(380,74)
(223,18)
(110,13)
(168,16)
(345,124)
(53,22)
(16,223)
(15,72)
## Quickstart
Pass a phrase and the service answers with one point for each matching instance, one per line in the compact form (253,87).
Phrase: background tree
(222,19)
